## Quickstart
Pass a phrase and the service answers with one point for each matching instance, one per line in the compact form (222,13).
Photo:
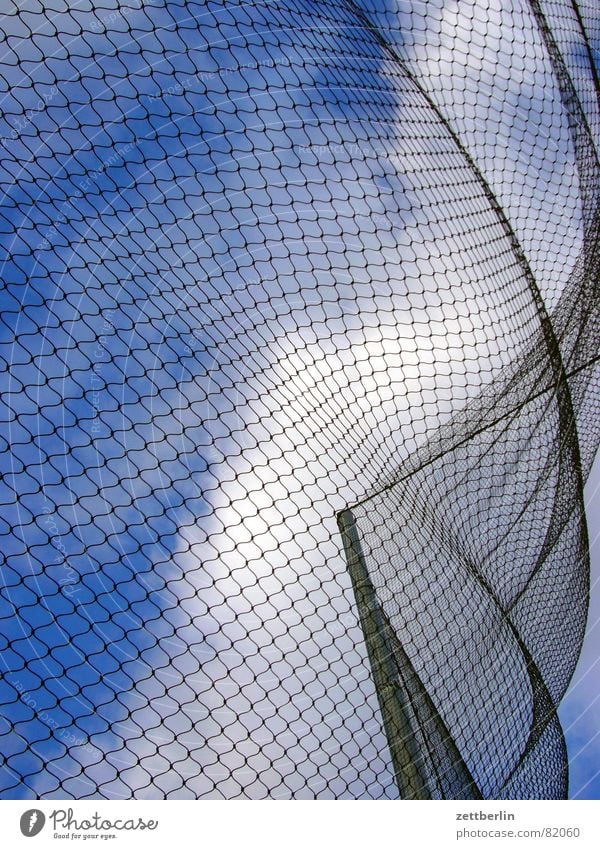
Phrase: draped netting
(299,347)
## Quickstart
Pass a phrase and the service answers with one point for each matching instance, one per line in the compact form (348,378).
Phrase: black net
(300,347)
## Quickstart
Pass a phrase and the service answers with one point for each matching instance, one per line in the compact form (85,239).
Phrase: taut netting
(299,346)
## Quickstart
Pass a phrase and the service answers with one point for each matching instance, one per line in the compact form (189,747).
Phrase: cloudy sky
(249,270)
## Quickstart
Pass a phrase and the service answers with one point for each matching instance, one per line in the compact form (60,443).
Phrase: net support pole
(392,699)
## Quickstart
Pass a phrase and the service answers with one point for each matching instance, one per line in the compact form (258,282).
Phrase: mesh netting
(299,346)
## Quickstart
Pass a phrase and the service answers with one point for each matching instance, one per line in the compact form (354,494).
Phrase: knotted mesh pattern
(299,341)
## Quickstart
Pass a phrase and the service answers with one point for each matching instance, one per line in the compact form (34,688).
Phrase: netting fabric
(299,389)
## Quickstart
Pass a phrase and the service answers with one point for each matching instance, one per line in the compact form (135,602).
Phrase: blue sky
(224,267)
(578,711)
